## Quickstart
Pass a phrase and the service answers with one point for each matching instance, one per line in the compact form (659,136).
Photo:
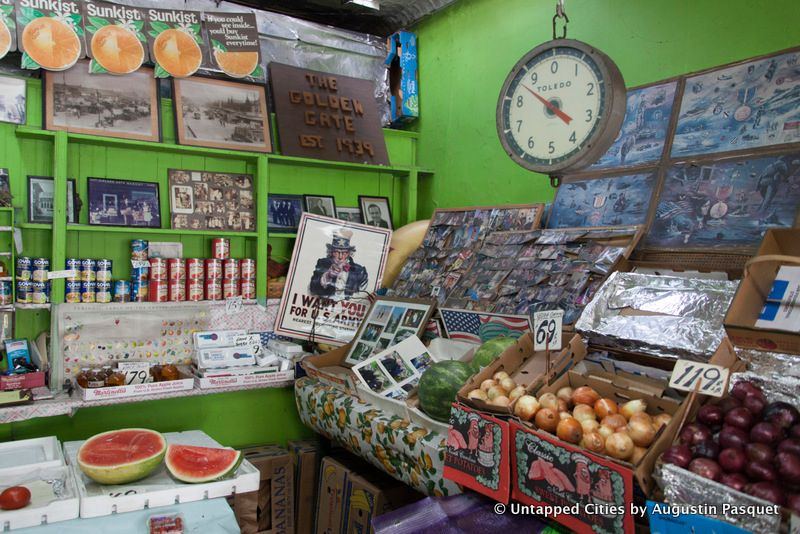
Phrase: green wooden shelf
(282,234)
(36,226)
(168,231)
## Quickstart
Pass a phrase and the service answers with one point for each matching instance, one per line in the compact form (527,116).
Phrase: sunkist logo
(184,17)
(113,12)
(51,5)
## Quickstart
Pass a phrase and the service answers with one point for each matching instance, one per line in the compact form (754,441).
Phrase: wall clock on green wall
(561,107)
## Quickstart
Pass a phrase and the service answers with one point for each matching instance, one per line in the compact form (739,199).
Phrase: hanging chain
(560,14)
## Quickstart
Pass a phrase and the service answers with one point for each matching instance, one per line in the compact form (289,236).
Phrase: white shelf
(32,306)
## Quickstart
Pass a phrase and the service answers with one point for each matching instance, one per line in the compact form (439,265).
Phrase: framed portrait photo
(221,114)
(320,205)
(102,104)
(375,211)
(40,200)
(349,214)
(12,100)
(123,203)
(284,213)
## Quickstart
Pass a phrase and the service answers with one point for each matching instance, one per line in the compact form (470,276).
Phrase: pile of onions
(500,391)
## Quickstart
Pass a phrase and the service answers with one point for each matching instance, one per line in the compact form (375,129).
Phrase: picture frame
(349,214)
(205,200)
(380,215)
(40,200)
(324,205)
(124,203)
(13,94)
(126,107)
(389,321)
(284,212)
(5,188)
(221,114)
(396,371)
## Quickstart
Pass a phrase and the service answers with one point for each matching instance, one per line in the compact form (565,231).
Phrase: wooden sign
(327,116)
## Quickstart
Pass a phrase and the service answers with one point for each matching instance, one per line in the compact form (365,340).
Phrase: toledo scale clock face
(561,107)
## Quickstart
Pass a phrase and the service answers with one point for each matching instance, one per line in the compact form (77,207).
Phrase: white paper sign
(135,372)
(233,305)
(249,340)
(713,379)
(52,275)
(547,330)
(138,264)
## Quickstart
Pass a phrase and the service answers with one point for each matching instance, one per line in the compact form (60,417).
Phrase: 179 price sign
(547,330)
(712,379)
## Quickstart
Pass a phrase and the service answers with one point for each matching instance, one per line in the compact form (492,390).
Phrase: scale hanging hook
(560,14)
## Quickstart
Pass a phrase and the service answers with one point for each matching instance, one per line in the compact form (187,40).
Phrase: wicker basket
(275,289)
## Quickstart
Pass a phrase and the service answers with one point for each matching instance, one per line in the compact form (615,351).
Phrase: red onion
(710,415)
(767,433)
(729,403)
(732,460)
(790,445)
(759,452)
(694,432)
(743,388)
(782,414)
(732,437)
(760,471)
(793,503)
(795,431)
(755,403)
(788,465)
(705,468)
(736,481)
(706,448)
(767,491)
(679,455)
(739,417)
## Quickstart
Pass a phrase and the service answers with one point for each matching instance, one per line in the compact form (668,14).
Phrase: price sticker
(547,330)
(138,264)
(713,379)
(233,305)
(247,340)
(135,372)
(69,273)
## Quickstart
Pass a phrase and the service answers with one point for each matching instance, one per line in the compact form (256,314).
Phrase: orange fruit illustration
(51,43)
(117,49)
(5,38)
(236,64)
(177,53)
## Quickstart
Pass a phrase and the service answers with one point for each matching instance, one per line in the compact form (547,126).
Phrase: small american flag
(477,327)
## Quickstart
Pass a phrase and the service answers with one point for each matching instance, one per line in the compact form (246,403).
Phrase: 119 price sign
(547,330)
(713,379)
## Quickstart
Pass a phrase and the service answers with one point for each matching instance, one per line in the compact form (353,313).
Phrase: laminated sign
(115,36)
(51,33)
(176,44)
(233,38)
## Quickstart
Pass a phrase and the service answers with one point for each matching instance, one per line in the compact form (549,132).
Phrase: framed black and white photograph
(349,214)
(201,200)
(284,213)
(12,100)
(221,114)
(375,211)
(5,188)
(320,205)
(40,200)
(102,104)
(123,203)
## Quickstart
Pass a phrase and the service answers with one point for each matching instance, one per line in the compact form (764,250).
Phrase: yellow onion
(604,407)
(569,430)
(583,412)
(546,419)
(488,383)
(526,407)
(548,400)
(518,391)
(590,425)
(565,393)
(641,432)
(585,395)
(661,420)
(508,384)
(562,406)
(638,454)
(593,441)
(620,446)
(641,416)
(496,391)
(631,407)
(500,375)
(614,421)
(501,401)
(478,394)
(605,431)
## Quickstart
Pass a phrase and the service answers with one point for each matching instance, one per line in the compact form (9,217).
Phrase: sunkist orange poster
(8,28)
(50,33)
(233,38)
(115,37)
(176,42)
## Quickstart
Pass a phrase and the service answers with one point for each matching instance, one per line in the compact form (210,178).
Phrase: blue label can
(73,264)
(140,274)
(103,293)
(5,293)
(72,292)
(88,289)
(138,291)
(40,268)
(40,292)
(139,250)
(104,271)
(88,270)
(122,291)
(24,291)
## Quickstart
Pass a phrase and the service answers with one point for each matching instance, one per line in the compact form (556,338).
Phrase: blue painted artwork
(641,138)
(726,205)
(751,105)
(603,201)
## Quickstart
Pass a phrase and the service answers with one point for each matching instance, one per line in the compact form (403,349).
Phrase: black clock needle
(549,105)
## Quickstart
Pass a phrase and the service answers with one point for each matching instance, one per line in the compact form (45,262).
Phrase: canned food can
(88,270)
(24,268)
(194,269)
(88,291)
(158,291)
(195,290)
(247,269)
(230,269)
(103,293)
(214,289)
(122,291)
(73,264)
(138,291)
(40,292)
(104,270)
(230,288)
(220,248)
(248,289)
(176,268)
(41,266)
(158,270)
(139,250)
(177,291)
(5,293)
(140,274)
(72,291)
(213,269)
(24,290)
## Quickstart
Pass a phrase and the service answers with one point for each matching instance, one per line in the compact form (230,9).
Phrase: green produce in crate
(121,456)
(490,350)
(439,385)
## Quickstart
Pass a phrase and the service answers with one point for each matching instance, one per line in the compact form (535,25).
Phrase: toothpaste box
(217,338)
(227,357)
(781,311)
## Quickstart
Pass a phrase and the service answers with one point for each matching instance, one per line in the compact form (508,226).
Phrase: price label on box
(233,305)
(712,379)
(135,372)
(249,340)
(547,330)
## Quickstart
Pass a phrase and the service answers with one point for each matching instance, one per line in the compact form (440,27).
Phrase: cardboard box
(779,247)
(328,369)
(185,382)
(403,77)
(270,510)
(22,381)
(306,457)
(330,496)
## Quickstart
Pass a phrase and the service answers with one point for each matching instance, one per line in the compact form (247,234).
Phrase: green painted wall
(466,51)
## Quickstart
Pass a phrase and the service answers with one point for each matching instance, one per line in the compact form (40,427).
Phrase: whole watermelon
(490,350)
(439,385)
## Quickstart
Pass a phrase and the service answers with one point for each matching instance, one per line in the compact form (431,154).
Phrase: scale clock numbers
(561,107)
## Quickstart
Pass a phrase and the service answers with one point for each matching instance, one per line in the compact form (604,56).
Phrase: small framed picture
(40,200)
(284,212)
(349,214)
(320,205)
(375,211)
(124,203)
(12,100)
(5,188)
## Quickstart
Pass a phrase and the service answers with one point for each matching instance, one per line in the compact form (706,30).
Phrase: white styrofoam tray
(158,489)
(47,505)
(26,455)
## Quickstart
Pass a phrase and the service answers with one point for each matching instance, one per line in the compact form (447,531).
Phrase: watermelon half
(121,456)
(188,463)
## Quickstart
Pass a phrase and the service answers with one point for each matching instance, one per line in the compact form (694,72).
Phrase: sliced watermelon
(188,463)
(121,456)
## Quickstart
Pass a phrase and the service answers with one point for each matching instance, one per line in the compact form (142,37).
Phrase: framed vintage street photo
(40,200)
(320,205)
(221,114)
(284,212)
(12,100)
(201,200)
(375,211)
(123,203)
(102,104)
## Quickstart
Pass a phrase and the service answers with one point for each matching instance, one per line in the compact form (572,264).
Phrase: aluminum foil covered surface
(770,365)
(662,316)
(776,388)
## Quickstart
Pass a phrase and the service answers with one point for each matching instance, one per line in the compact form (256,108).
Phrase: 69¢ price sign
(713,379)
(547,330)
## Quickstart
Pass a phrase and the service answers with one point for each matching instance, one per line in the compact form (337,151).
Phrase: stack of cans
(5,293)
(176,269)
(230,273)
(195,279)
(72,289)
(23,276)
(247,271)
(104,281)
(139,274)
(88,280)
(158,280)
(40,284)
(213,279)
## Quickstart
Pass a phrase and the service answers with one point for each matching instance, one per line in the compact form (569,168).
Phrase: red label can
(230,269)
(214,289)
(220,248)
(158,271)
(158,291)
(247,269)
(177,269)
(177,291)
(195,290)
(194,269)
(213,269)
(230,288)
(248,289)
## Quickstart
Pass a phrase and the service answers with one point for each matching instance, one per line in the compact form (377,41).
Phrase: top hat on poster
(341,240)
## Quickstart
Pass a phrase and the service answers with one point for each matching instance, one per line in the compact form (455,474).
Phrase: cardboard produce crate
(328,369)
(306,456)
(270,510)
(330,496)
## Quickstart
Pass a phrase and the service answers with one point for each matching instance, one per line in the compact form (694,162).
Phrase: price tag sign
(52,275)
(248,340)
(713,379)
(233,305)
(135,372)
(547,330)
(138,264)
